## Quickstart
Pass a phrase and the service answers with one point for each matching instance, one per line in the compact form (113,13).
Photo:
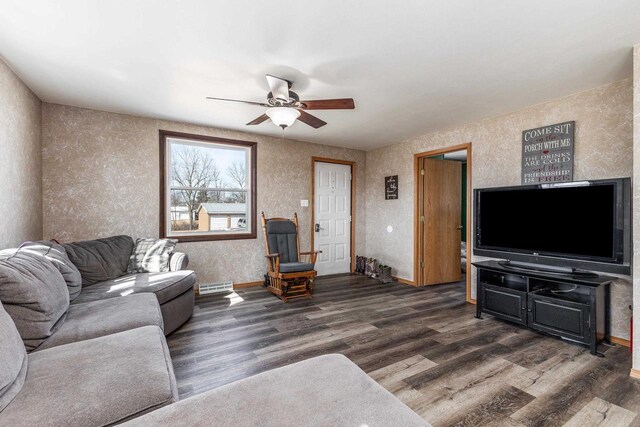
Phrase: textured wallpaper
(20,161)
(603,149)
(101,178)
(636,203)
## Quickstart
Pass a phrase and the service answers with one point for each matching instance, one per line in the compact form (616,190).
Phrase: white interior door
(332,214)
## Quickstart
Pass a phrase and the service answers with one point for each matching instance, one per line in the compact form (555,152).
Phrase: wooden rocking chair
(291,272)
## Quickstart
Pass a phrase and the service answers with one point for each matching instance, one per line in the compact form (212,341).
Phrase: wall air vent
(212,288)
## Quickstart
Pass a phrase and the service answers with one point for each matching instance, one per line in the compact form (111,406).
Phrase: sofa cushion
(166,286)
(324,391)
(151,255)
(95,382)
(13,360)
(55,253)
(293,267)
(104,317)
(101,259)
(34,294)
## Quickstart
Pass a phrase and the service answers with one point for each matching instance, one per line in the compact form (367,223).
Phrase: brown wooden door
(441,229)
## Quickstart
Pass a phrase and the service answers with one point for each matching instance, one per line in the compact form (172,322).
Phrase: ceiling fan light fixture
(283,116)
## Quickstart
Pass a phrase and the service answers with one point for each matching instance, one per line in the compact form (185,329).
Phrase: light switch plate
(304,203)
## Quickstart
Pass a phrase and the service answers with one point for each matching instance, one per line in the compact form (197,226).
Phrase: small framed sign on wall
(547,153)
(391,187)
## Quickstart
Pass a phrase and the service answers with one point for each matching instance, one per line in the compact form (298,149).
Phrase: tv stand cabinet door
(504,303)
(558,317)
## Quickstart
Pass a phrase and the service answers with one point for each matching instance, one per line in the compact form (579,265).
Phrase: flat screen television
(575,225)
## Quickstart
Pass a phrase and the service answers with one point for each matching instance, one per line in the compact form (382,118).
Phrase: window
(207,187)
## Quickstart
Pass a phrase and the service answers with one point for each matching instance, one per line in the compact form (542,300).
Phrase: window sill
(212,237)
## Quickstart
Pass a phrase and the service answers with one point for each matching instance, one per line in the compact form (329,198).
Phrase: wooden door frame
(418,244)
(352,164)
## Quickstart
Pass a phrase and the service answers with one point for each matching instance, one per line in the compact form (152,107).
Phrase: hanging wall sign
(391,187)
(547,153)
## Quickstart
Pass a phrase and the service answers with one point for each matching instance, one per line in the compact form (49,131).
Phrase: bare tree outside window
(238,174)
(192,169)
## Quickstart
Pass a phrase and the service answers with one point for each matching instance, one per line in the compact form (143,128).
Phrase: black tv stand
(546,268)
(572,306)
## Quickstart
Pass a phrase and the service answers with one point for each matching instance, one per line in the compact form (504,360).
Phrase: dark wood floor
(422,344)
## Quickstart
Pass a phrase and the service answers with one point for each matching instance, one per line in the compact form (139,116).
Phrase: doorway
(332,215)
(442,224)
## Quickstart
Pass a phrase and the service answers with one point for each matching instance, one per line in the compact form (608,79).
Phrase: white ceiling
(411,66)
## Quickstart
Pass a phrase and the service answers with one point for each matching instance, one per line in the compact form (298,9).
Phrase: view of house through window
(207,188)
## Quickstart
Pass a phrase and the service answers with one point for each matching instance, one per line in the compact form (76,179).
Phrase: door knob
(459,227)
(318,228)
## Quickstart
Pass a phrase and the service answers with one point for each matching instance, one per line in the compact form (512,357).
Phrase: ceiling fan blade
(279,87)
(329,104)
(258,120)
(312,121)
(261,104)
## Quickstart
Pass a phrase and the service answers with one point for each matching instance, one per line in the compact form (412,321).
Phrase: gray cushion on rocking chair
(294,267)
(282,238)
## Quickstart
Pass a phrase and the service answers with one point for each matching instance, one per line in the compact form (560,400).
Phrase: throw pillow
(13,359)
(102,259)
(151,255)
(34,294)
(55,253)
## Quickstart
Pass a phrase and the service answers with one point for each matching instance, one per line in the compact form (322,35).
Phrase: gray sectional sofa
(93,363)
(75,354)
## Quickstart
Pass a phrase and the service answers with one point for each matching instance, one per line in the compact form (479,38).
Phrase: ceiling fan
(285,106)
